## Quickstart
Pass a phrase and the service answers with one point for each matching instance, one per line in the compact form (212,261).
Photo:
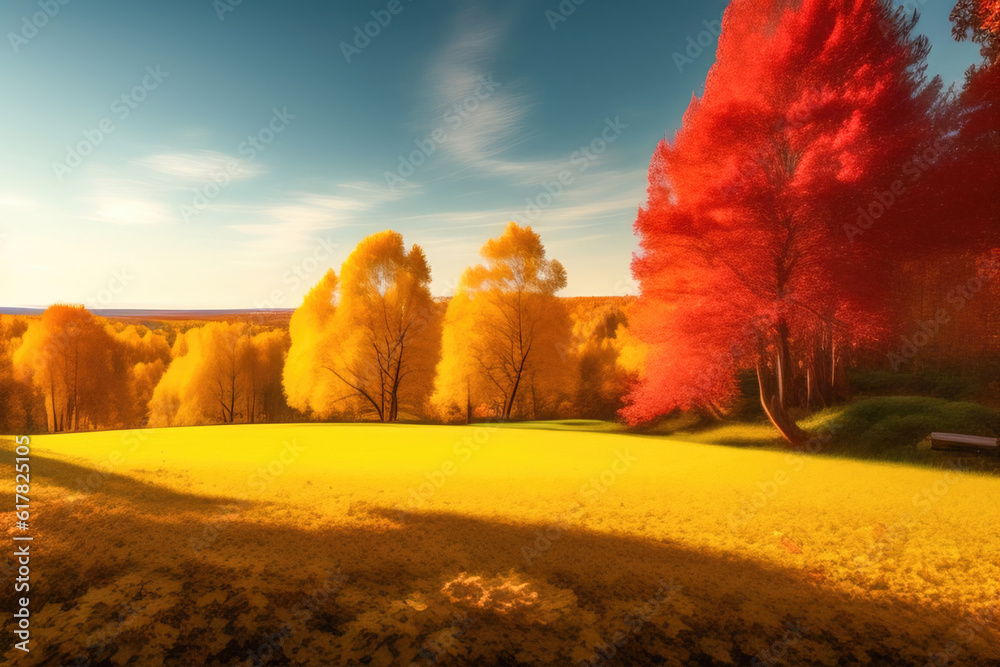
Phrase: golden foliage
(601,351)
(506,334)
(80,368)
(366,346)
(222,372)
(302,377)
(22,408)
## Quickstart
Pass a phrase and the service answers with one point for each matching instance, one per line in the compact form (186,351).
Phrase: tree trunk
(468,401)
(508,406)
(394,396)
(809,393)
(52,392)
(534,399)
(393,406)
(784,366)
(777,412)
(74,413)
(717,413)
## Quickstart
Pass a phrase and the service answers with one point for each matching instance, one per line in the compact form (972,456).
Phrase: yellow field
(368,544)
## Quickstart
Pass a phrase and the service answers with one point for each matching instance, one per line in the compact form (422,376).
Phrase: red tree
(771,215)
(975,169)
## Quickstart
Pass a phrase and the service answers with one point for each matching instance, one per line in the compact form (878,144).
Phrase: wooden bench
(956,441)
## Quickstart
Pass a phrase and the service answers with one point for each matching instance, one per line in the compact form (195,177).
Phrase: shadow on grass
(119,581)
(78,479)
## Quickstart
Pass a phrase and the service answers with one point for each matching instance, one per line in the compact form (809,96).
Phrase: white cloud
(294,222)
(124,211)
(378,193)
(128,201)
(200,166)
(492,122)
(152,193)
(302,214)
(310,211)
(592,199)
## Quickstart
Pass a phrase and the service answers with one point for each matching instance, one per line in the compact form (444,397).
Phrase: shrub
(891,422)
(925,383)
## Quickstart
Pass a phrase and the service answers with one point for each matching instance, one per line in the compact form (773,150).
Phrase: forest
(369,344)
(824,223)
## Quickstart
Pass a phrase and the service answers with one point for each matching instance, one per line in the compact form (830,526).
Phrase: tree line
(368,344)
(824,205)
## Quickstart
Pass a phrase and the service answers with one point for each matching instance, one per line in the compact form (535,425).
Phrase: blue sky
(209,154)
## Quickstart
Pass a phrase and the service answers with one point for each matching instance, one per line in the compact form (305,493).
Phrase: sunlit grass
(496,545)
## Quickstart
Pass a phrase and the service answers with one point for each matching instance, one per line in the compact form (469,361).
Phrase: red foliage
(754,247)
(974,173)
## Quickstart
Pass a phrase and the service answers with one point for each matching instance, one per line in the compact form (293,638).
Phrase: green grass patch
(582,425)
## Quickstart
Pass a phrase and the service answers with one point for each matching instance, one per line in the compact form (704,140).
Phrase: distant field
(150,317)
(385,545)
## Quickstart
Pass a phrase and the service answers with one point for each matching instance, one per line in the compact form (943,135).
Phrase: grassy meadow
(555,544)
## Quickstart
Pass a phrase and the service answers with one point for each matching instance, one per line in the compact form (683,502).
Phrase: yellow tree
(192,390)
(262,360)
(221,372)
(596,351)
(505,332)
(21,404)
(69,355)
(145,354)
(307,386)
(375,351)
